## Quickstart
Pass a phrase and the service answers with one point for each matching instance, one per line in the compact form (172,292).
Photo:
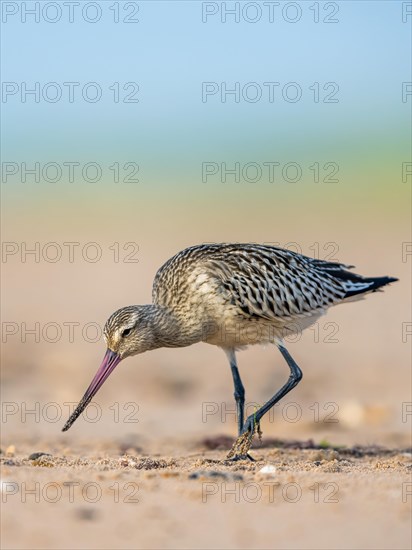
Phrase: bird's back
(258,281)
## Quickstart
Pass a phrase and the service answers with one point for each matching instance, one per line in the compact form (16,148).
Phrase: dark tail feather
(366,284)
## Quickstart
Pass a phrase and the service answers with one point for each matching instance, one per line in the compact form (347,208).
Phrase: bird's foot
(240,448)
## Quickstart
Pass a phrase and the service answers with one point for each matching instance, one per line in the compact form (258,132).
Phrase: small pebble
(44,460)
(128,462)
(268,469)
(35,456)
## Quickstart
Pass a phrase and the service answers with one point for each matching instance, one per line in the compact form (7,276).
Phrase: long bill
(110,361)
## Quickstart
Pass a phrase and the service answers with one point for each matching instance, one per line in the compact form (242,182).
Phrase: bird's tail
(360,285)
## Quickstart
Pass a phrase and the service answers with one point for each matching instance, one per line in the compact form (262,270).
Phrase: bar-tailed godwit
(231,296)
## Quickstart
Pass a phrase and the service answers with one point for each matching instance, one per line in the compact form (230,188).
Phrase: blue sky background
(170,52)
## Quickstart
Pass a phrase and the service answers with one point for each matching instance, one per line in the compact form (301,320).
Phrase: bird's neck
(169,330)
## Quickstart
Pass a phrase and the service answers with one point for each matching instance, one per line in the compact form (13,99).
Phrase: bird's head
(128,331)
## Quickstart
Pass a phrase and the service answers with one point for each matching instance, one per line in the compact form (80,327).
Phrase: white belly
(239,333)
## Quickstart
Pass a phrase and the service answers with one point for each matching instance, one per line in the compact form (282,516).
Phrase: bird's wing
(273,283)
(263,281)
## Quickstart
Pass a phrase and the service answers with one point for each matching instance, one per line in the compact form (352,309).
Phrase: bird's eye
(126,332)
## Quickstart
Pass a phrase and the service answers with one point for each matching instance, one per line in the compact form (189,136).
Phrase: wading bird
(231,296)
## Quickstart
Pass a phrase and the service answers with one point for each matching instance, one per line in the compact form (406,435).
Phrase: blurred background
(132,130)
(125,142)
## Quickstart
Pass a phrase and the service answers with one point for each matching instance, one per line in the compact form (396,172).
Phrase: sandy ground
(295,495)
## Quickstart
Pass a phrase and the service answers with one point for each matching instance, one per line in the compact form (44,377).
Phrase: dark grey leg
(239,391)
(294,378)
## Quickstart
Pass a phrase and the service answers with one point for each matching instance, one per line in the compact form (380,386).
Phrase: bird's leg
(244,441)
(239,392)
(294,378)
